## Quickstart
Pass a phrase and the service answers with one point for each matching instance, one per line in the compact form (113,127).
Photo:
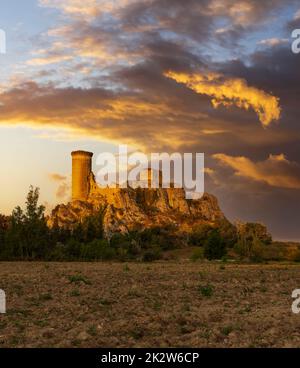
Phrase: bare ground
(164,304)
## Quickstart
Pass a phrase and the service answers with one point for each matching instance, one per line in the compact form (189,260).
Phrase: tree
(228,232)
(200,234)
(252,237)
(4,226)
(91,227)
(214,247)
(28,236)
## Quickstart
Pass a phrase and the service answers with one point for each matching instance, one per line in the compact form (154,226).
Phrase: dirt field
(164,304)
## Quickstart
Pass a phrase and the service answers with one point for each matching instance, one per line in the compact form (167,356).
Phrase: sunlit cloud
(88,8)
(231,92)
(276,170)
(74,7)
(63,189)
(57,177)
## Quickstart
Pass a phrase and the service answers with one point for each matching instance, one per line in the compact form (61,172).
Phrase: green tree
(4,226)
(252,238)
(200,234)
(90,228)
(28,236)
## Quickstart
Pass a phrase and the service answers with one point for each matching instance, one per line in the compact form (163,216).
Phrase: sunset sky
(212,76)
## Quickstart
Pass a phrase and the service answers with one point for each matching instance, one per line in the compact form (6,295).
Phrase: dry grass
(148,305)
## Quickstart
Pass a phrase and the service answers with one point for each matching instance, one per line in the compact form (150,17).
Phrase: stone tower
(81,170)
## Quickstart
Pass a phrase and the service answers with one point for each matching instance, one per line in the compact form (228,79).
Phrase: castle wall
(81,170)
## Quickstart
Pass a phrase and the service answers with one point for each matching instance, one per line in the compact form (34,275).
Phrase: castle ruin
(83,179)
(128,208)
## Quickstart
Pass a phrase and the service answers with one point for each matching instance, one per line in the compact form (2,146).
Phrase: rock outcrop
(127,209)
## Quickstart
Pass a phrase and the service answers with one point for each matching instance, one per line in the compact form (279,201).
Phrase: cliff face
(127,209)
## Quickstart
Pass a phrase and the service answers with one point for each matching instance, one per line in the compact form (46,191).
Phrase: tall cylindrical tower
(81,169)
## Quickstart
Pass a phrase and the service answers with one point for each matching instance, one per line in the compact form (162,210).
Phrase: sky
(212,76)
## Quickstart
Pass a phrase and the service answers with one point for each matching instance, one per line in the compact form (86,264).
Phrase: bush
(228,232)
(151,255)
(251,230)
(206,290)
(200,234)
(252,238)
(197,254)
(161,237)
(214,247)
(73,249)
(97,250)
(58,253)
(296,257)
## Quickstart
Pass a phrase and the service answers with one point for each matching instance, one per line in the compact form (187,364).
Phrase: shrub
(199,234)
(228,232)
(73,249)
(214,247)
(58,253)
(253,230)
(252,238)
(97,250)
(160,236)
(296,257)
(197,254)
(79,278)
(206,290)
(151,255)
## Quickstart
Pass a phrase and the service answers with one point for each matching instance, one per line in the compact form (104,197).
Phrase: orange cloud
(74,7)
(57,177)
(276,170)
(48,60)
(63,188)
(233,91)
(87,8)
(63,191)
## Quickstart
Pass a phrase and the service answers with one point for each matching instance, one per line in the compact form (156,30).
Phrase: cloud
(117,31)
(108,84)
(136,116)
(88,8)
(271,42)
(56,52)
(63,189)
(74,7)
(229,92)
(57,177)
(276,170)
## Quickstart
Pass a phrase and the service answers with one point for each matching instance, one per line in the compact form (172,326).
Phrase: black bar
(96,358)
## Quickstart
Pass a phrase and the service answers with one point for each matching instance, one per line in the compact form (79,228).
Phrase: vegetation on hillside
(25,236)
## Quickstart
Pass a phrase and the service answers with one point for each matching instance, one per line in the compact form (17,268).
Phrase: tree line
(25,236)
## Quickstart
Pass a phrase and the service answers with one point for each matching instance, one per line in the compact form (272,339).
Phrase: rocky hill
(129,209)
